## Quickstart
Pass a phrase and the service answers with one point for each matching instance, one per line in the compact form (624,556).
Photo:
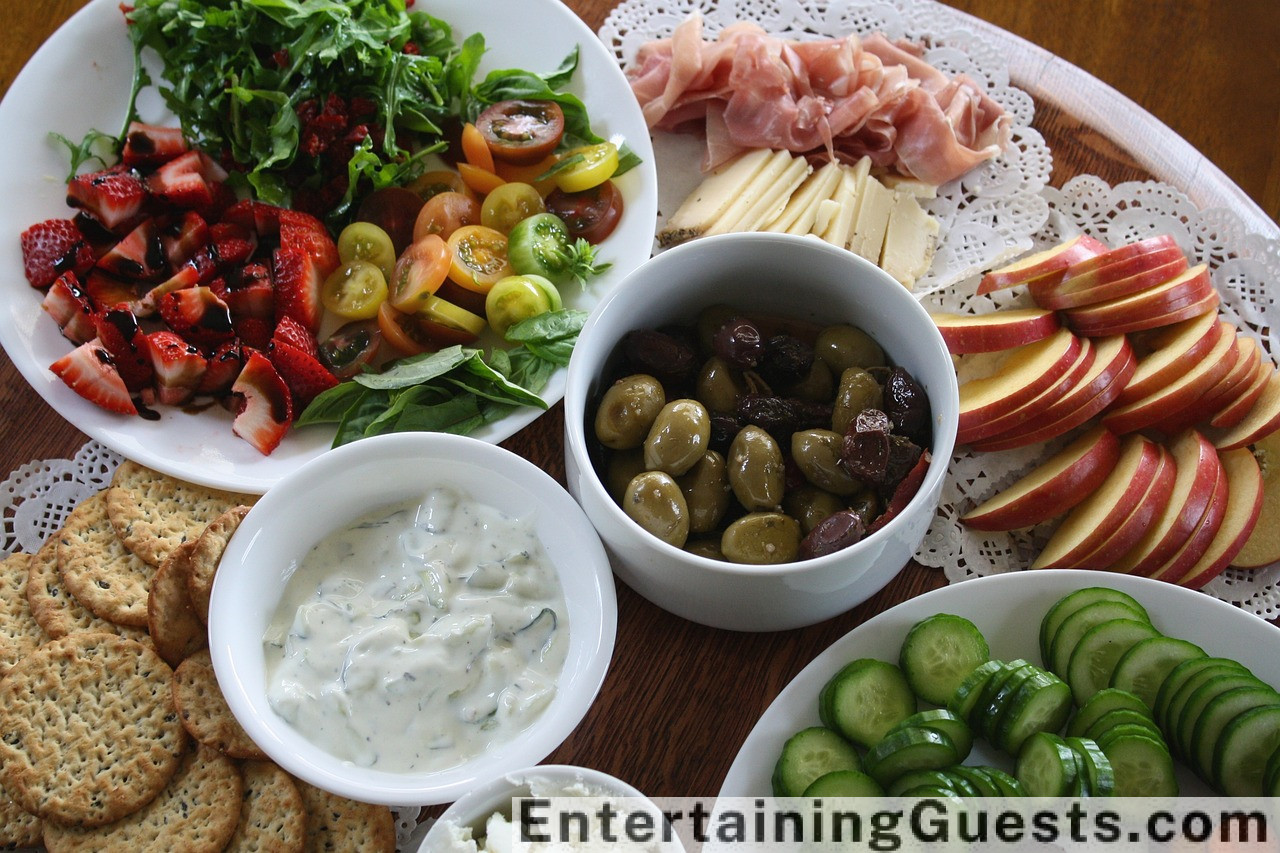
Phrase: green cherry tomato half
(364,241)
(354,290)
(539,245)
(512,299)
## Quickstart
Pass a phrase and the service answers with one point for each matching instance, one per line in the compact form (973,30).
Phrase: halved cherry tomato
(518,297)
(475,147)
(394,210)
(593,164)
(432,183)
(445,213)
(469,299)
(354,290)
(351,347)
(481,181)
(479,257)
(418,272)
(529,174)
(508,204)
(445,313)
(415,333)
(521,131)
(591,214)
(364,241)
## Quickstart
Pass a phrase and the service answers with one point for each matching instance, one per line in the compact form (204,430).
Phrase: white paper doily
(987,216)
(1246,271)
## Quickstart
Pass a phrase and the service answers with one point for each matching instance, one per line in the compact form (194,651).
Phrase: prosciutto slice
(831,99)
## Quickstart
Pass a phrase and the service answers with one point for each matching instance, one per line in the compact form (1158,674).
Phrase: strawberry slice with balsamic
(233,245)
(293,333)
(52,247)
(221,368)
(183,236)
(70,307)
(103,288)
(116,197)
(197,315)
(119,331)
(139,256)
(259,217)
(179,367)
(298,280)
(147,146)
(299,230)
(90,372)
(262,404)
(303,373)
(190,180)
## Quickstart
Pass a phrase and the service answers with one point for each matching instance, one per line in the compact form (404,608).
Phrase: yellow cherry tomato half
(516,298)
(364,241)
(479,257)
(446,313)
(436,181)
(415,333)
(419,272)
(354,290)
(508,204)
(593,165)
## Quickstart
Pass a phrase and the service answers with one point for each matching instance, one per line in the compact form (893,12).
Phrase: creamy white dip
(419,635)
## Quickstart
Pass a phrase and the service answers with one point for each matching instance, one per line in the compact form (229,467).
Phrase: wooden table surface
(680,698)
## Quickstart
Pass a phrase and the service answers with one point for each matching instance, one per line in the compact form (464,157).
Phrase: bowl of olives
(759,425)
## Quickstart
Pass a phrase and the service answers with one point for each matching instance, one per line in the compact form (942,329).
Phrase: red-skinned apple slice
(1235,409)
(1197,468)
(1262,420)
(1052,263)
(1198,411)
(1052,487)
(1145,309)
(1263,546)
(1150,506)
(1169,352)
(1120,253)
(1113,282)
(992,384)
(1198,542)
(1195,309)
(1168,401)
(1104,510)
(995,330)
(983,428)
(1244,504)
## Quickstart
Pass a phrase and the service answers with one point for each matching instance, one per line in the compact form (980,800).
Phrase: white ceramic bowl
(798,277)
(345,483)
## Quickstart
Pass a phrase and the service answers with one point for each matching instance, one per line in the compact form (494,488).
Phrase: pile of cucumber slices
(1114,704)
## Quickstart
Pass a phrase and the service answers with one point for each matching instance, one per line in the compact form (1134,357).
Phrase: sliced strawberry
(52,247)
(105,289)
(119,332)
(233,244)
(89,372)
(179,367)
(183,236)
(222,368)
(303,373)
(297,282)
(254,332)
(293,333)
(258,299)
(303,231)
(197,315)
(100,239)
(259,217)
(139,256)
(115,196)
(147,146)
(263,406)
(199,270)
(70,308)
(190,180)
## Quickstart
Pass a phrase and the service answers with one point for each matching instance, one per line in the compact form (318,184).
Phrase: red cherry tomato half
(590,214)
(414,333)
(445,213)
(394,210)
(522,131)
(351,347)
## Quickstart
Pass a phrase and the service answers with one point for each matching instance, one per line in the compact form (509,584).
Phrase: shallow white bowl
(798,277)
(344,484)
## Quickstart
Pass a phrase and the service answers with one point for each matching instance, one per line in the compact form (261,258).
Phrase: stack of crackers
(114,735)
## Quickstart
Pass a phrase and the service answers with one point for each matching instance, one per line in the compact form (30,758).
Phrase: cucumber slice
(970,690)
(1194,708)
(1046,766)
(1211,728)
(1142,765)
(865,699)
(939,652)
(976,777)
(919,778)
(906,750)
(1182,680)
(935,791)
(1244,748)
(1271,776)
(1119,717)
(1104,702)
(844,783)
(1069,604)
(1095,765)
(1143,668)
(1079,623)
(809,754)
(995,699)
(1041,704)
(1008,785)
(946,722)
(1094,658)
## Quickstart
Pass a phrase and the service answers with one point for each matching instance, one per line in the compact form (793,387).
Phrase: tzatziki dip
(419,635)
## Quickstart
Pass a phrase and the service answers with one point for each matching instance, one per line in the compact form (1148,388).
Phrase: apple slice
(1103,511)
(1169,352)
(1145,309)
(1195,546)
(1150,506)
(1197,468)
(1051,488)
(1248,360)
(995,330)
(1234,410)
(1263,545)
(1262,420)
(985,427)
(1205,305)
(992,384)
(1146,246)
(1112,282)
(1244,505)
(1052,263)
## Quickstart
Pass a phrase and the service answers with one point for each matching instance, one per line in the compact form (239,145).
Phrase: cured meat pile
(842,98)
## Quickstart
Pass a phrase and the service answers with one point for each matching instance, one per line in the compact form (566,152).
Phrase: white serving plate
(1007,608)
(80,78)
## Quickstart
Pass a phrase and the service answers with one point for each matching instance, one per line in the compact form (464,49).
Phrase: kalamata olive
(781,416)
(706,492)
(808,505)
(709,321)
(622,467)
(680,434)
(761,538)
(659,354)
(817,454)
(757,472)
(907,405)
(834,533)
(818,386)
(723,429)
(655,502)
(857,393)
(718,385)
(627,411)
(786,361)
(872,453)
(739,343)
(845,346)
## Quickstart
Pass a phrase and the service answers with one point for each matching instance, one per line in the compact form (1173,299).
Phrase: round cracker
(205,712)
(20,633)
(272,817)
(208,553)
(195,813)
(154,513)
(88,729)
(338,823)
(18,827)
(97,568)
(57,611)
(172,622)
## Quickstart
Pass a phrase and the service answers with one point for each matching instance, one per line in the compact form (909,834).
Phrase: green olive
(679,436)
(847,346)
(867,505)
(706,492)
(710,319)
(655,502)
(757,472)
(627,411)
(719,386)
(705,546)
(819,386)
(858,392)
(621,467)
(809,505)
(817,454)
(761,538)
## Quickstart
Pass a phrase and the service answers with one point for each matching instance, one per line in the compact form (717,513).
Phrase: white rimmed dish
(797,277)
(80,79)
(345,484)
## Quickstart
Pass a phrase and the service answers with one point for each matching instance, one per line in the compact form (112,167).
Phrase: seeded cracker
(205,712)
(195,813)
(97,568)
(272,817)
(20,633)
(88,730)
(154,513)
(171,621)
(338,825)
(56,610)
(207,555)
(18,827)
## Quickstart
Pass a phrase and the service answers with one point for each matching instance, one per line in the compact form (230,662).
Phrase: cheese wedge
(760,186)
(801,209)
(914,186)
(773,199)
(874,206)
(910,240)
(712,197)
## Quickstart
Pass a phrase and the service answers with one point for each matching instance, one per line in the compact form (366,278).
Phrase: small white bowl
(335,489)
(797,277)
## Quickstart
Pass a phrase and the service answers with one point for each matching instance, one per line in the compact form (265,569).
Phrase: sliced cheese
(774,199)
(798,214)
(826,210)
(712,197)
(914,186)
(910,240)
(846,195)
(874,206)
(752,192)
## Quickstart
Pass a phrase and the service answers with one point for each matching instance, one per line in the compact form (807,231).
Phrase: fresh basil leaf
(418,369)
(549,326)
(555,352)
(332,404)
(359,416)
(530,371)
(459,415)
(500,360)
(513,392)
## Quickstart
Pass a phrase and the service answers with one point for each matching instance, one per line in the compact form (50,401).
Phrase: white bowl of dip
(393,639)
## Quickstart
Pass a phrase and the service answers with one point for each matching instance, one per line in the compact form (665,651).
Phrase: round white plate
(1007,608)
(80,78)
